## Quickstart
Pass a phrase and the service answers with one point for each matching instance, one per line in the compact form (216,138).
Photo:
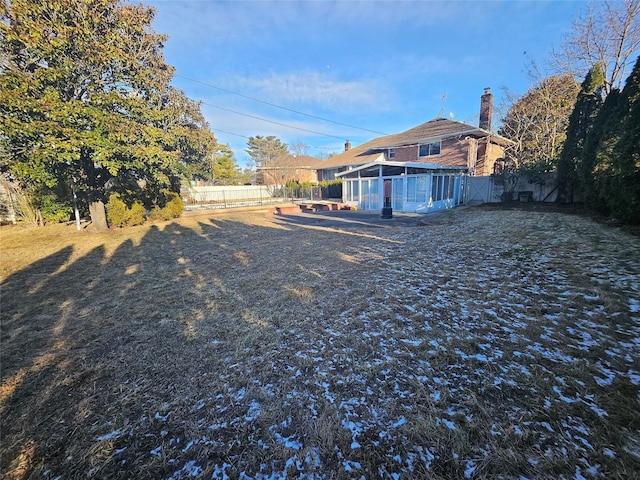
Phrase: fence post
(224,199)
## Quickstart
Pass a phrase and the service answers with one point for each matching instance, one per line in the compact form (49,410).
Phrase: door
(393,193)
(397,194)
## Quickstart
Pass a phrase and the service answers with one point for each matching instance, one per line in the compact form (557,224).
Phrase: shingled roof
(292,161)
(428,132)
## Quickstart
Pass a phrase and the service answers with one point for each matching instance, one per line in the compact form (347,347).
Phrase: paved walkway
(358,219)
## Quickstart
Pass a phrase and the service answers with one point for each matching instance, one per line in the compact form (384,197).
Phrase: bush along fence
(203,197)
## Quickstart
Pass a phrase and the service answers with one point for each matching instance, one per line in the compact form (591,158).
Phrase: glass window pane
(370,172)
(375,198)
(411,189)
(421,188)
(389,171)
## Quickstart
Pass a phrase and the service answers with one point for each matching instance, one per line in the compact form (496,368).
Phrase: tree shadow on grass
(96,351)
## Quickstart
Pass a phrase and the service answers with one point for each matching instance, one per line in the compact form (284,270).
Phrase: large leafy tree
(537,123)
(85,95)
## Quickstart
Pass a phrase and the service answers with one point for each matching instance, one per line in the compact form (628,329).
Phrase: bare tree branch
(608,34)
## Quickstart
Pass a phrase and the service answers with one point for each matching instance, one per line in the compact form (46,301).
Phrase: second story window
(429,149)
(392,153)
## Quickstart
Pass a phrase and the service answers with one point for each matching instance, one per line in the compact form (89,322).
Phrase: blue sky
(379,66)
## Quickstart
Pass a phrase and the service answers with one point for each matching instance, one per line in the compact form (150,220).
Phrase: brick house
(286,168)
(419,170)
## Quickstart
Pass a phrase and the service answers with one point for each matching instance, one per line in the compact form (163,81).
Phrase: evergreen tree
(606,120)
(616,167)
(264,150)
(225,171)
(571,164)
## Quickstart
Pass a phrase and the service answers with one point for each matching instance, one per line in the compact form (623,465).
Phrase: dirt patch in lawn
(483,343)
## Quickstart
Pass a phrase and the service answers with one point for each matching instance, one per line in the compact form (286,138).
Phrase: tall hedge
(617,166)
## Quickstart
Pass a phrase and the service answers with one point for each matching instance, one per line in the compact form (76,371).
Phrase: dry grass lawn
(487,344)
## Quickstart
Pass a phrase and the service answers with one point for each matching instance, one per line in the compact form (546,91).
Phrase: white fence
(230,196)
(227,196)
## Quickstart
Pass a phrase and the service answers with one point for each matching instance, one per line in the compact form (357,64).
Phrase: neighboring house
(420,170)
(288,168)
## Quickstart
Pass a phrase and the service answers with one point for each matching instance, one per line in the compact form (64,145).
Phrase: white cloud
(315,89)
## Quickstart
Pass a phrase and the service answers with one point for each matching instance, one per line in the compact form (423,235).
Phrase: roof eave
(426,166)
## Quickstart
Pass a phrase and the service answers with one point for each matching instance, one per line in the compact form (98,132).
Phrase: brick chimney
(347,146)
(486,109)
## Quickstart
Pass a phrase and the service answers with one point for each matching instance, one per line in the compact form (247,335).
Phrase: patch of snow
(579,475)
(609,376)
(219,472)
(470,467)
(253,412)
(162,418)
(562,397)
(350,466)
(289,442)
(401,421)
(190,468)
(109,436)
(447,423)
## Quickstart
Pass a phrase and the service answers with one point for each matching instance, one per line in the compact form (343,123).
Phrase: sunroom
(404,186)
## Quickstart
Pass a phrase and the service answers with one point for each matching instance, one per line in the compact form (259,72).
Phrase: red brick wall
(487,156)
(455,152)
(406,154)
(452,152)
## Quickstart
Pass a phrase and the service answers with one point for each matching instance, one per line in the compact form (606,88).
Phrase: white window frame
(431,149)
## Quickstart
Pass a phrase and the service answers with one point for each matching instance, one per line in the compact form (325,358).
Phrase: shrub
(172,208)
(53,211)
(121,215)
